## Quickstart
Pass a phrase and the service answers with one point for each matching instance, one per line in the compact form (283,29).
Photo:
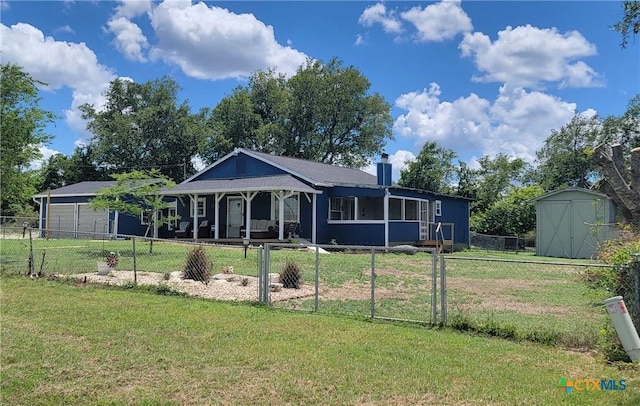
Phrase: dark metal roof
(317,172)
(79,189)
(261,183)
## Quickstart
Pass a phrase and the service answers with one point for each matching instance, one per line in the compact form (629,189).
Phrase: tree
(136,193)
(322,113)
(630,23)
(566,157)
(61,170)
(141,127)
(512,214)
(431,170)
(23,125)
(495,178)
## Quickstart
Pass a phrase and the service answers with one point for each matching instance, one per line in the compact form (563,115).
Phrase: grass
(64,344)
(541,300)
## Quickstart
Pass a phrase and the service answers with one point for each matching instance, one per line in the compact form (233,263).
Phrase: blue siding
(261,206)
(404,232)
(240,166)
(322,213)
(345,191)
(356,234)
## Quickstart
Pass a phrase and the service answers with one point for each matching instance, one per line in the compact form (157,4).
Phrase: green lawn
(84,345)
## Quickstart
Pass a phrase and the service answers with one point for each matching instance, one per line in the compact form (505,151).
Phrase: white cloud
(129,39)
(438,22)
(529,56)
(214,43)
(378,14)
(398,161)
(46,153)
(359,39)
(59,64)
(64,29)
(516,123)
(4,5)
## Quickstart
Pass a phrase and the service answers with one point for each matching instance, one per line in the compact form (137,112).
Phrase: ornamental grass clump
(291,276)
(198,266)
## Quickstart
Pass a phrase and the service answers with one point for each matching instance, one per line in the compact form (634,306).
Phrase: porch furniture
(203,229)
(184,231)
(261,229)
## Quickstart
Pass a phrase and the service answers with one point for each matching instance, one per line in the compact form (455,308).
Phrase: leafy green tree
(566,156)
(61,170)
(322,113)
(495,178)
(630,22)
(22,125)
(142,127)
(136,193)
(512,214)
(433,169)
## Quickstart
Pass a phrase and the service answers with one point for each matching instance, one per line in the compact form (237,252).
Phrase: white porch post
(281,215)
(386,217)
(216,231)
(248,198)
(194,201)
(314,218)
(155,224)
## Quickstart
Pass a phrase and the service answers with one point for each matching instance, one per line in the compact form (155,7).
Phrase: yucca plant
(198,266)
(291,276)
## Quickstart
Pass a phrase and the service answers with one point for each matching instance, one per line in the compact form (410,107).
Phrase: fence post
(443,292)
(635,267)
(31,271)
(434,287)
(135,265)
(373,283)
(316,303)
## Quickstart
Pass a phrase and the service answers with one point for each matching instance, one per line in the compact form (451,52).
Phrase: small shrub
(244,282)
(112,260)
(166,276)
(198,266)
(290,276)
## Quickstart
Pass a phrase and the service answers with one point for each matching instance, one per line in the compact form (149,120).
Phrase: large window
(291,208)
(342,208)
(403,209)
(202,207)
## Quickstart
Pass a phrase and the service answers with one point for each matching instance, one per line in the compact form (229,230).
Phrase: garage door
(62,217)
(92,221)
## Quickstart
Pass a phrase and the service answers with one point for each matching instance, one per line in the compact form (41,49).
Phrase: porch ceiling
(256,184)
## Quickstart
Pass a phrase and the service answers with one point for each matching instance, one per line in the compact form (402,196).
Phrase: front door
(235,219)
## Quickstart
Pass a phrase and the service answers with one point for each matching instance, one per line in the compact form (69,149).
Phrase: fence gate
(397,283)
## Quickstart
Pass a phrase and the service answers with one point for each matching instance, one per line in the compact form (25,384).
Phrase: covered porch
(236,210)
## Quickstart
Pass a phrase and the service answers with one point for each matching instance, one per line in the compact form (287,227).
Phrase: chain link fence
(628,286)
(398,283)
(501,242)
(542,301)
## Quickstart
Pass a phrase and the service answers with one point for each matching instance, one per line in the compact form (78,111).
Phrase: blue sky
(479,77)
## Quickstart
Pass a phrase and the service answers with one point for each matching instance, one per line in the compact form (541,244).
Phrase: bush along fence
(628,286)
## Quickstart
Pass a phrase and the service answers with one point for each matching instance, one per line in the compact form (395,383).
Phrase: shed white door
(587,231)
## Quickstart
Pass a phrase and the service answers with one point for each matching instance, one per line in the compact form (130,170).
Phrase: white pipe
(624,327)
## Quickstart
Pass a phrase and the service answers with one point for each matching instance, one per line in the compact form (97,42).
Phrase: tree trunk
(621,185)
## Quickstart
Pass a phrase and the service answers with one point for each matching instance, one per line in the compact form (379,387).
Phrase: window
(411,210)
(342,208)
(146,217)
(370,208)
(438,208)
(202,212)
(395,209)
(403,209)
(291,208)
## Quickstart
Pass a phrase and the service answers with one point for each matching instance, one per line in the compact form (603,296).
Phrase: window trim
(438,208)
(275,207)
(204,207)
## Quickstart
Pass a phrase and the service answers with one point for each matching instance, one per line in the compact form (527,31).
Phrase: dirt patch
(497,294)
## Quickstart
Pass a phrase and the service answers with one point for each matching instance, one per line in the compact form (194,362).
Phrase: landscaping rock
(275,287)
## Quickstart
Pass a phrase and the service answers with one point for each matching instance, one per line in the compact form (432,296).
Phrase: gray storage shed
(572,222)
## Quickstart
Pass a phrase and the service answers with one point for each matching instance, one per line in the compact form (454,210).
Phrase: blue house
(249,194)
(254,195)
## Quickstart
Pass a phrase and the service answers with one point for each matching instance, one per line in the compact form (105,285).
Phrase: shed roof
(569,189)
